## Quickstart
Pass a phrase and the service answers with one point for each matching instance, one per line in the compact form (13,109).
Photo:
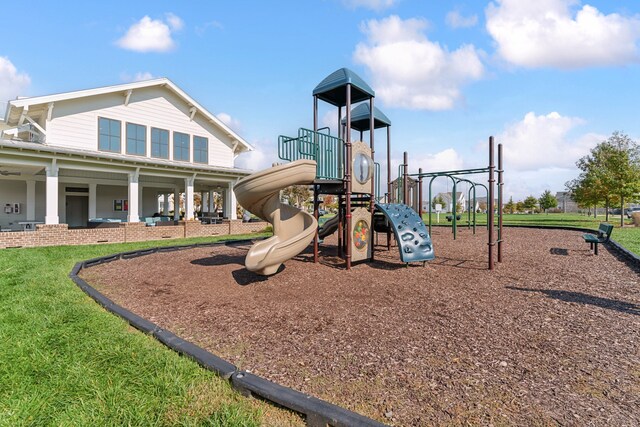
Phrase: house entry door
(77,211)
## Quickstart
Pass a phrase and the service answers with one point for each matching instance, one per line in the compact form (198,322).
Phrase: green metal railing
(325,149)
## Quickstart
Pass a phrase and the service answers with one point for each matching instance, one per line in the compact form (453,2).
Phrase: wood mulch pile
(551,336)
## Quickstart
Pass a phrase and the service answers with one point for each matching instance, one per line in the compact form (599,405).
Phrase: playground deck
(549,337)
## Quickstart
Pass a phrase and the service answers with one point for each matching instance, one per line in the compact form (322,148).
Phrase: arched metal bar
(473,187)
(430,198)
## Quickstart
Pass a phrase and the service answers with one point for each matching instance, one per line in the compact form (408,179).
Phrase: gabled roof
(361,119)
(333,88)
(448,195)
(15,107)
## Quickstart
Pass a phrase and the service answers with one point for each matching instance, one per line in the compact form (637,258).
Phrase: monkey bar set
(454,176)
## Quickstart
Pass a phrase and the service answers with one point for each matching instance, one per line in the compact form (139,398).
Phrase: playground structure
(336,165)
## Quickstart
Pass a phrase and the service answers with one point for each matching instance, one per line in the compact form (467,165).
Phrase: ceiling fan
(6,173)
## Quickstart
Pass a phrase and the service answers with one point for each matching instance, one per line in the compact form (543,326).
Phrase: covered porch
(81,190)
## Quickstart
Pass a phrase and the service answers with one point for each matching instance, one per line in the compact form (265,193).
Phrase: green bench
(604,233)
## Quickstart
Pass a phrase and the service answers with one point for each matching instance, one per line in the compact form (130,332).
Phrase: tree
(530,203)
(520,206)
(296,195)
(547,200)
(510,206)
(584,192)
(330,203)
(438,200)
(610,173)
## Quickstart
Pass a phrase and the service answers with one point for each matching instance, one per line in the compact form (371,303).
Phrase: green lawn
(66,361)
(629,237)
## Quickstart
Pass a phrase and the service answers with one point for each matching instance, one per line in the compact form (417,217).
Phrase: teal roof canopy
(333,89)
(361,119)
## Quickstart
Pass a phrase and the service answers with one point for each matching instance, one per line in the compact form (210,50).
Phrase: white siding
(106,194)
(74,123)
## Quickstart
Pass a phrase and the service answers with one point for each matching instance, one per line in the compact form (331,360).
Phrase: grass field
(66,361)
(629,237)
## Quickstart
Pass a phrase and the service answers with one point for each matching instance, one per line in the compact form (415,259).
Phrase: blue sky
(549,79)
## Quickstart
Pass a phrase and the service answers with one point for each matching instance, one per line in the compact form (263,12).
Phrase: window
(200,149)
(159,143)
(136,139)
(109,134)
(180,146)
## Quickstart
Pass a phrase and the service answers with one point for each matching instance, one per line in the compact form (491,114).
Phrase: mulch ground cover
(551,336)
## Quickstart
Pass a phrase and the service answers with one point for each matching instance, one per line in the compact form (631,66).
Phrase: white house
(113,152)
(448,200)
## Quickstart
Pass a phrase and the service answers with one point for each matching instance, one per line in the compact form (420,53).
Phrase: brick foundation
(59,234)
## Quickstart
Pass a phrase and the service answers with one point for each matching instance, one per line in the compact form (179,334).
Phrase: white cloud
(330,119)
(542,141)
(369,4)
(152,35)
(551,33)
(455,20)
(12,82)
(448,159)
(229,121)
(539,153)
(202,29)
(410,71)
(137,77)
(175,22)
(265,153)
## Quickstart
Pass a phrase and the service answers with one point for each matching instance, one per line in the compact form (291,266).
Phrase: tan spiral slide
(293,229)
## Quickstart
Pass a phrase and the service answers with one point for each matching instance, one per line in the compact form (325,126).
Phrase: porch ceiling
(18,170)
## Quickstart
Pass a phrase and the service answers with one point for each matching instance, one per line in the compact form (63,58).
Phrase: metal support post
(490,206)
(340,227)
(405,179)
(316,239)
(316,214)
(500,186)
(347,177)
(420,193)
(372,202)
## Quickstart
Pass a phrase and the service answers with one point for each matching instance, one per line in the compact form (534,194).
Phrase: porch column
(165,211)
(188,197)
(92,200)
(176,203)
(210,200)
(140,204)
(230,203)
(204,201)
(31,200)
(51,197)
(133,215)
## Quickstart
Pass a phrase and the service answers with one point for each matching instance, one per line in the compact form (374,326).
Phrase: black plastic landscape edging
(317,412)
